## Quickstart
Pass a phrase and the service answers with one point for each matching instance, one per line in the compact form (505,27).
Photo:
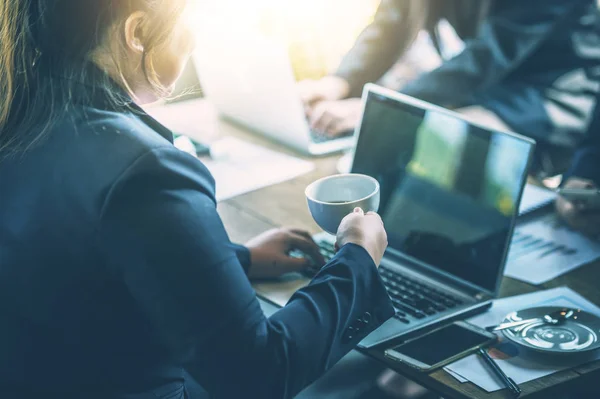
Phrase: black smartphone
(441,346)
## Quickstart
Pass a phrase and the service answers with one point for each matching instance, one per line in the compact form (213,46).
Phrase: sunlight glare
(316,32)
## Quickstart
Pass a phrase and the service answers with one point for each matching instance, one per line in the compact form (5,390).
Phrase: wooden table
(285,205)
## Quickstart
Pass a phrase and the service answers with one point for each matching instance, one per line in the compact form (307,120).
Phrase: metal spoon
(554,318)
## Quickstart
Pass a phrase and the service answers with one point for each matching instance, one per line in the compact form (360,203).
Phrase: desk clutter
(523,363)
(541,249)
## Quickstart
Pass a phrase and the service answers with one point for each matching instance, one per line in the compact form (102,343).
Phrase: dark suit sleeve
(511,33)
(243,255)
(160,233)
(378,47)
(586,161)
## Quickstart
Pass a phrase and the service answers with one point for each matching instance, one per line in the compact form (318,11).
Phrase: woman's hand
(335,117)
(328,88)
(269,253)
(577,215)
(365,230)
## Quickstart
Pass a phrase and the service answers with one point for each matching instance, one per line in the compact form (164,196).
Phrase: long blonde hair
(10,24)
(41,40)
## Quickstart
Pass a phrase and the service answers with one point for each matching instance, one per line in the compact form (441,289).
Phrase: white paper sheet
(544,248)
(240,167)
(516,365)
(456,376)
(535,197)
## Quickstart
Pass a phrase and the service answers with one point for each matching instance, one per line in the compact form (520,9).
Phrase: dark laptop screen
(449,190)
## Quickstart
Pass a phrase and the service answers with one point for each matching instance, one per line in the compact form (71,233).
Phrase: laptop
(249,79)
(450,195)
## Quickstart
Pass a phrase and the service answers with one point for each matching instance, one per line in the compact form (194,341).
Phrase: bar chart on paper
(544,248)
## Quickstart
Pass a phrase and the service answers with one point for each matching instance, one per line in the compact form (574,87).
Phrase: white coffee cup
(332,198)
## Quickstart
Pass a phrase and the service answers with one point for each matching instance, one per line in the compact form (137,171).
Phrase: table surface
(284,204)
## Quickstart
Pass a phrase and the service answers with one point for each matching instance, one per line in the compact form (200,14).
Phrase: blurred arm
(382,43)
(243,255)
(586,161)
(509,36)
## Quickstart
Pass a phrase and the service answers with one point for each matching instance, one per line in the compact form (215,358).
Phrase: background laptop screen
(449,190)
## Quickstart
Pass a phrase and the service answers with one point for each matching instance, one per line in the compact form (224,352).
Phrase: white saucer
(578,334)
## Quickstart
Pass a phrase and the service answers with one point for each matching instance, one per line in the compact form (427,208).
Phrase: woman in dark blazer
(117,278)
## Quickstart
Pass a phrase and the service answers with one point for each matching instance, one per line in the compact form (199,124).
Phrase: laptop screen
(449,190)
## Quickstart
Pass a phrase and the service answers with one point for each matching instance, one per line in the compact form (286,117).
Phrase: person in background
(527,66)
(584,174)
(117,278)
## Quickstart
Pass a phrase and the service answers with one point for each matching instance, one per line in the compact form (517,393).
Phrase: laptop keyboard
(320,137)
(411,299)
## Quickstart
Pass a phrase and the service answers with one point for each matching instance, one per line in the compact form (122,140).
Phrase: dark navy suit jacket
(116,275)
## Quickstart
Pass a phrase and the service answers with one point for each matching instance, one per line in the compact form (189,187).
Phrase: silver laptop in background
(249,79)
(450,194)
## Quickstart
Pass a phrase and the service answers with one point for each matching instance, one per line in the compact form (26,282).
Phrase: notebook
(535,198)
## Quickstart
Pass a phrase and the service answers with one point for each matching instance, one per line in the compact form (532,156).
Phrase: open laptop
(249,79)
(450,194)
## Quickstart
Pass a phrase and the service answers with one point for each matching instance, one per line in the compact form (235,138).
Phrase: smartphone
(442,346)
(589,197)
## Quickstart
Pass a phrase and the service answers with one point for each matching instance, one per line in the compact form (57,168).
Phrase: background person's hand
(328,88)
(365,230)
(335,117)
(577,215)
(269,253)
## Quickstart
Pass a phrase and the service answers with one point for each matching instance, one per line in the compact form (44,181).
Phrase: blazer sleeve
(378,47)
(243,255)
(511,33)
(586,160)
(160,234)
